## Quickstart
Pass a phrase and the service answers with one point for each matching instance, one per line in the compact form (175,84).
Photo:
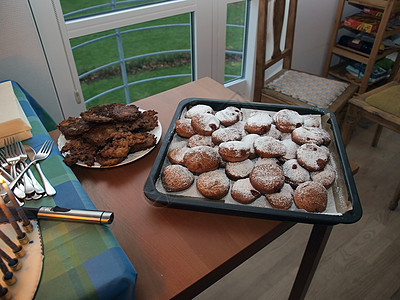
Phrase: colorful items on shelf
(377,12)
(362,22)
(380,70)
(359,44)
(367,20)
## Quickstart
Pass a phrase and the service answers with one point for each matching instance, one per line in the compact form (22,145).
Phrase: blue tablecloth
(81,261)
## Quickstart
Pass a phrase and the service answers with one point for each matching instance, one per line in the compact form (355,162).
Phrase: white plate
(130,158)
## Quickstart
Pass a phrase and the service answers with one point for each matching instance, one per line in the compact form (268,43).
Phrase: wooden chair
(291,86)
(380,105)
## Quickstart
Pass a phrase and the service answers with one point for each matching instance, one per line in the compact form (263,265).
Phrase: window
(81,9)
(235,40)
(127,50)
(130,63)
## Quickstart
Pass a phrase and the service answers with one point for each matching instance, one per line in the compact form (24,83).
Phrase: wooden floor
(361,260)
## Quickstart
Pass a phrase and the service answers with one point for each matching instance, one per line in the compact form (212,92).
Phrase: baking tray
(352,214)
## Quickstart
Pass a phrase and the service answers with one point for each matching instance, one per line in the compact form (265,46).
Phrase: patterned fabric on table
(311,89)
(81,261)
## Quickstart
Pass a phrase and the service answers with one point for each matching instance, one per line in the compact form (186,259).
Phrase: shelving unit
(384,31)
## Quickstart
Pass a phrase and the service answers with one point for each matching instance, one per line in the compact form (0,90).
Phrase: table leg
(315,247)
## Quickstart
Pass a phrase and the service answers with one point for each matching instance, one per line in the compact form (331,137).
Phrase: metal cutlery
(11,158)
(43,153)
(49,189)
(36,185)
(18,190)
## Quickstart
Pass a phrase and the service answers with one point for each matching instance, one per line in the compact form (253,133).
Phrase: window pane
(73,9)
(133,62)
(235,38)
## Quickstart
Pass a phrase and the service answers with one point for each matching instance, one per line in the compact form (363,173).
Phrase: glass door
(121,51)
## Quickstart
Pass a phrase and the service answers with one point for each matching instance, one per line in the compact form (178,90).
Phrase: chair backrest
(278,21)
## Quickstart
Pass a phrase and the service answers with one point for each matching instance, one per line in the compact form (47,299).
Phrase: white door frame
(209,41)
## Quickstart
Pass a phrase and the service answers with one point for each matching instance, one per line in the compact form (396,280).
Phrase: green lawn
(164,38)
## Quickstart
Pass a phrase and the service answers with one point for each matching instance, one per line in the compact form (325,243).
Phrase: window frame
(209,32)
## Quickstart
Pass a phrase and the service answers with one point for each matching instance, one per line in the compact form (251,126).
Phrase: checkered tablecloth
(81,261)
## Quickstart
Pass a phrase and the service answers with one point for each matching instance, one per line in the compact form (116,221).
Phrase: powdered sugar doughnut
(200,140)
(275,132)
(286,136)
(225,134)
(326,177)
(312,157)
(282,199)
(234,151)
(268,160)
(240,127)
(238,170)
(176,155)
(294,173)
(291,149)
(199,109)
(184,128)
(311,120)
(176,178)
(229,116)
(267,146)
(249,140)
(222,163)
(303,135)
(311,196)
(258,122)
(267,178)
(243,192)
(205,124)
(287,120)
(201,159)
(213,185)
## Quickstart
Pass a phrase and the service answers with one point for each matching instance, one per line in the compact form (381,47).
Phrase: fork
(17,190)
(50,191)
(43,153)
(23,156)
(13,157)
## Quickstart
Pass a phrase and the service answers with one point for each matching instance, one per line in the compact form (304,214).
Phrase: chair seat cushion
(314,90)
(387,100)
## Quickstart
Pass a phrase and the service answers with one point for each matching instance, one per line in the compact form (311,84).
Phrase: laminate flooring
(360,261)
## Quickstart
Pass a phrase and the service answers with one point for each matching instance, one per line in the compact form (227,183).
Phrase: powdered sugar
(282,199)
(229,115)
(199,109)
(244,192)
(248,139)
(303,135)
(176,178)
(312,157)
(242,169)
(294,173)
(267,146)
(287,120)
(258,122)
(226,134)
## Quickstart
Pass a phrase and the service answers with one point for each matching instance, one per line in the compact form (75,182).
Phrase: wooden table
(179,253)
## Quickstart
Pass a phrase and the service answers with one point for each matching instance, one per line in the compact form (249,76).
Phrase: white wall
(21,56)
(314,24)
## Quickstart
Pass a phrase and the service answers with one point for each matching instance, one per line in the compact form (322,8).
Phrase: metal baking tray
(351,214)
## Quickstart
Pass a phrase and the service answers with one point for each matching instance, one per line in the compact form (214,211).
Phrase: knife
(64,214)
